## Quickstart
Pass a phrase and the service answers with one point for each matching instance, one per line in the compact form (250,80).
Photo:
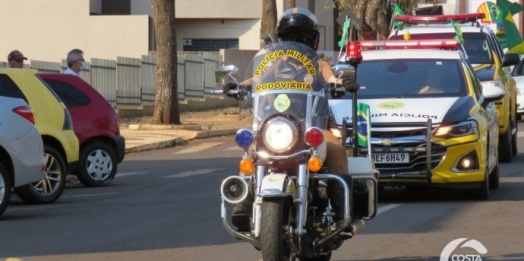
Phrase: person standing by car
(16,59)
(75,62)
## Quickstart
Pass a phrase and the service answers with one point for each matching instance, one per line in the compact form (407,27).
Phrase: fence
(129,83)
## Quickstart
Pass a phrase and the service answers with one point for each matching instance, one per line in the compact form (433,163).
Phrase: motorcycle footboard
(256,243)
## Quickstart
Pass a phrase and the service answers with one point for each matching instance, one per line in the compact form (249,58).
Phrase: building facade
(47,29)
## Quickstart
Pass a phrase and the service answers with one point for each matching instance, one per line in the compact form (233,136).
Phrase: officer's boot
(336,194)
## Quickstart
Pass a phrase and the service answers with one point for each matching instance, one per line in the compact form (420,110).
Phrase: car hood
(407,110)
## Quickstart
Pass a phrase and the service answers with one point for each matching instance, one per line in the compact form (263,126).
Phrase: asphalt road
(165,205)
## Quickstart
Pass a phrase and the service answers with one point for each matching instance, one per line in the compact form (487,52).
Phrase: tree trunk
(374,16)
(166,105)
(290,4)
(269,19)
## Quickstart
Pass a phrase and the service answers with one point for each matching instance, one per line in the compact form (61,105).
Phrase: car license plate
(390,157)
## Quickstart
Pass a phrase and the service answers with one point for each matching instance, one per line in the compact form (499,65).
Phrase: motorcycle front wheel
(271,230)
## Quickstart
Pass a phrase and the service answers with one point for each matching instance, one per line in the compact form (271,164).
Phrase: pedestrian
(16,59)
(75,62)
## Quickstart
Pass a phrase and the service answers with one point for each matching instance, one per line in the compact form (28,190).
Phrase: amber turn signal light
(246,166)
(314,164)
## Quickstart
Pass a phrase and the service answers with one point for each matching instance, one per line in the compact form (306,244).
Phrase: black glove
(350,85)
(230,86)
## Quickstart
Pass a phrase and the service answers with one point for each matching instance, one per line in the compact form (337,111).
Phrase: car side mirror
(492,93)
(510,59)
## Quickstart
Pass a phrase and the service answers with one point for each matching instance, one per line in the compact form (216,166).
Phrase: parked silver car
(21,148)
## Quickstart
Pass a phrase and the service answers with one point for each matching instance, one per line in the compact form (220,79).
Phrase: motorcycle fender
(277,185)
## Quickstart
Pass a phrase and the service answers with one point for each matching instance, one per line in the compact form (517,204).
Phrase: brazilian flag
(398,11)
(511,37)
(363,124)
(345,29)
(458,32)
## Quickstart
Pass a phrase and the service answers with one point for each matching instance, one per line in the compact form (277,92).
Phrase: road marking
(125,174)
(199,147)
(386,208)
(520,134)
(234,148)
(192,173)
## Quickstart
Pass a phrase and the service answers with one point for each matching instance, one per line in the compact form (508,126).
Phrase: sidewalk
(197,125)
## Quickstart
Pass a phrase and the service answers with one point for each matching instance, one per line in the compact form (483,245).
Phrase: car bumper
(120,142)
(446,171)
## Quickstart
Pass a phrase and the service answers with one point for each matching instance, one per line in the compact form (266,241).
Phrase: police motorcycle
(281,170)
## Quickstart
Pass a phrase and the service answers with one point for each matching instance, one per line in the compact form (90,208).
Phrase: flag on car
(458,32)
(363,124)
(511,38)
(345,28)
(398,11)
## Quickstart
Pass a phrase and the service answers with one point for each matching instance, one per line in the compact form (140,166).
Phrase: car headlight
(279,135)
(457,130)
(520,91)
(495,83)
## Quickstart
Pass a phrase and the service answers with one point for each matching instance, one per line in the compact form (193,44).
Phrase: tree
(166,105)
(269,19)
(290,4)
(375,16)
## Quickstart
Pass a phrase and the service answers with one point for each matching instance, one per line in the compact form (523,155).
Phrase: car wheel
(97,165)
(5,188)
(49,189)
(481,193)
(494,178)
(506,146)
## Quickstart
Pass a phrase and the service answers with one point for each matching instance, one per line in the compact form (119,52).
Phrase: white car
(432,122)
(518,75)
(21,148)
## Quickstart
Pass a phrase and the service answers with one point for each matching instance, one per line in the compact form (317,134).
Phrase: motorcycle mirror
(343,70)
(228,71)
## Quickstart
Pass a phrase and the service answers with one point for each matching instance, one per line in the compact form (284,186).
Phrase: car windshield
(476,45)
(410,78)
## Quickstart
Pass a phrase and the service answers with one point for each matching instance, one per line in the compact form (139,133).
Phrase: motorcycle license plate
(390,157)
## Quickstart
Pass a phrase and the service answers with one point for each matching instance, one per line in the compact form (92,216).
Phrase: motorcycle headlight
(279,135)
(457,130)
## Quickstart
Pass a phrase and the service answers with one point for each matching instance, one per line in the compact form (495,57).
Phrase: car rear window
(70,95)
(8,88)
(476,45)
(407,78)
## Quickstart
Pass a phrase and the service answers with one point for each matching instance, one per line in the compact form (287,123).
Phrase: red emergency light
(439,19)
(353,53)
(411,44)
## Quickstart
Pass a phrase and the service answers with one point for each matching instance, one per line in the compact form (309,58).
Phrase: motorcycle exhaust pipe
(234,189)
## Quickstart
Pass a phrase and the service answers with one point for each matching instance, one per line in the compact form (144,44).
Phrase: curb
(181,141)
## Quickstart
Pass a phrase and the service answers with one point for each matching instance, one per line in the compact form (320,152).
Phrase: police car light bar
(411,44)
(438,19)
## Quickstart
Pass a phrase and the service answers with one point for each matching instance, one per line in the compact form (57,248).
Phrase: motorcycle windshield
(288,96)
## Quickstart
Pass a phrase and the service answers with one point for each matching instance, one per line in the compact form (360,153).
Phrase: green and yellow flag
(345,29)
(398,11)
(458,32)
(511,38)
(363,124)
